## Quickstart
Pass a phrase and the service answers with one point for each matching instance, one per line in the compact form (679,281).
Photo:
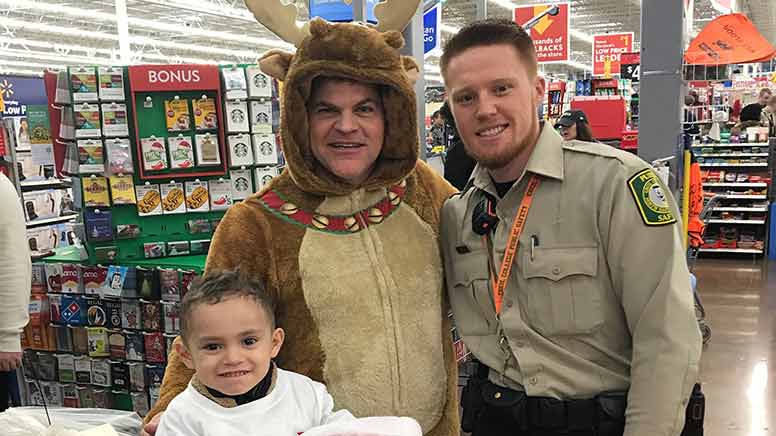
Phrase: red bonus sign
(607,50)
(549,27)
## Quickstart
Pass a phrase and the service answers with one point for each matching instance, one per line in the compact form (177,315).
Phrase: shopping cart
(692,258)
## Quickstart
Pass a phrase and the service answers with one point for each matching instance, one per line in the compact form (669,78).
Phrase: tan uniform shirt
(603,300)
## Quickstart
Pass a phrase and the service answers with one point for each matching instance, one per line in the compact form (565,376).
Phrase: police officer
(564,262)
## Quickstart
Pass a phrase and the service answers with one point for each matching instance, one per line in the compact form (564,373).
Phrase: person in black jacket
(458,164)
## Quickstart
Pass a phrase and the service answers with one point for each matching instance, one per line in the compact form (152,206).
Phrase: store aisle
(737,365)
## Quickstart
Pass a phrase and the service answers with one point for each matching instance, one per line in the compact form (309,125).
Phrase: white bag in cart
(31,421)
(373,426)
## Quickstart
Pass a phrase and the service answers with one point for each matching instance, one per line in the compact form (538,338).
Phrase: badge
(650,199)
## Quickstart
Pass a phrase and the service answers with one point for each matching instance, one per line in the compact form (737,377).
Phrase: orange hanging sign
(729,39)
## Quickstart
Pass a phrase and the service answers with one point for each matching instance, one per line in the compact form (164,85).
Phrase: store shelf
(55,220)
(741,209)
(717,221)
(741,185)
(752,164)
(744,197)
(731,250)
(740,144)
(50,183)
(733,155)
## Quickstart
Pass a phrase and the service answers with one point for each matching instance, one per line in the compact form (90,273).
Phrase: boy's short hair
(491,31)
(765,91)
(215,287)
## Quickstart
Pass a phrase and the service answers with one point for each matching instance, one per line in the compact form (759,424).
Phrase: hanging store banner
(630,66)
(20,92)
(432,21)
(340,10)
(178,77)
(607,50)
(548,25)
(729,39)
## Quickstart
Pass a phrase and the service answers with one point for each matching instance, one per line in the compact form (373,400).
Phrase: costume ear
(275,63)
(411,68)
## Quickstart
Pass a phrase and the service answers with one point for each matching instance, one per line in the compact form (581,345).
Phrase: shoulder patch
(650,199)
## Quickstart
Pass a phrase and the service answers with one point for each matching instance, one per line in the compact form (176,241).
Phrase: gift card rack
(153,85)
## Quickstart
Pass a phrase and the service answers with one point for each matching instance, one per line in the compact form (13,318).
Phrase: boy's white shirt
(295,405)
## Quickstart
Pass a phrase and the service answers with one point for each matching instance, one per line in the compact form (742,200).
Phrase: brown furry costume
(356,269)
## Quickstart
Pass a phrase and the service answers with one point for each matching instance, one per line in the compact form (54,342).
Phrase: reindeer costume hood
(356,270)
(351,51)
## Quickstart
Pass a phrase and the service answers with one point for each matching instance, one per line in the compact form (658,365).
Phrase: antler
(279,19)
(397,17)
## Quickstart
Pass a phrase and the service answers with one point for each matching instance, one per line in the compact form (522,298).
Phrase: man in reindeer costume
(347,237)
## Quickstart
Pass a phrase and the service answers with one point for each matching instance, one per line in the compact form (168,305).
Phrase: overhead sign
(607,50)
(340,10)
(630,66)
(432,21)
(20,92)
(179,77)
(548,25)
(729,39)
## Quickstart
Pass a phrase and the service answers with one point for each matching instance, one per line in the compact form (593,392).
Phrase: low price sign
(607,50)
(630,66)
(550,33)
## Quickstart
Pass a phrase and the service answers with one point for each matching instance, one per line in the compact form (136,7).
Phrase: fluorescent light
(59,10)
(56,30)
(75,60)
(581,36)
(21,72)
(449,29)
(6,62)
(110,53)
(137,40)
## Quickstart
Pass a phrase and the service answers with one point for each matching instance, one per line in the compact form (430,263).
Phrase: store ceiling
(39,34)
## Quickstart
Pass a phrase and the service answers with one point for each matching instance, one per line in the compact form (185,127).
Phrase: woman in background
(573,124)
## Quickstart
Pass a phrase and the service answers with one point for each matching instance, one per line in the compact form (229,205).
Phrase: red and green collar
(372,215)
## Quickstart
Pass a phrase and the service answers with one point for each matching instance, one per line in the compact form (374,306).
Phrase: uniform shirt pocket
(470,294)
(561,295)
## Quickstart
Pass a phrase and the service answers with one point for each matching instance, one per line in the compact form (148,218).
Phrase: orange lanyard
(500,283)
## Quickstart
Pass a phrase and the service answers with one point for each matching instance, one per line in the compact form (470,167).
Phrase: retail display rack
(156,155)
(737,173)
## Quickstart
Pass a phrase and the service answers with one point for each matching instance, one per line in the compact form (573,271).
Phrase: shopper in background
(437,133)
(573,124)
(752,114)
(768,116)
(15,284)
(564,261)
(458,164)
(346,238)
(691,125)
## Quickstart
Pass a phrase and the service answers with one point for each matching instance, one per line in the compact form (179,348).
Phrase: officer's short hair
(491,31)
(218,286)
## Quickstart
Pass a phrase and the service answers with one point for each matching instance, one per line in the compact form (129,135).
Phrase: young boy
(229,338)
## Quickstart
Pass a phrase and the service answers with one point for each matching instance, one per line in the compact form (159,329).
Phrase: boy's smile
(230,344)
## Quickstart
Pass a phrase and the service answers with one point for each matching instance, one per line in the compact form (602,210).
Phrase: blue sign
(339,11)
(432,19)
(20,92)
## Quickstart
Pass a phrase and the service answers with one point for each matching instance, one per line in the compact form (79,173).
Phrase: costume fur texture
(363,309)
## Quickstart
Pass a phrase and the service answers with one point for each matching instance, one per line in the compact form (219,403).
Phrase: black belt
(551,413)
